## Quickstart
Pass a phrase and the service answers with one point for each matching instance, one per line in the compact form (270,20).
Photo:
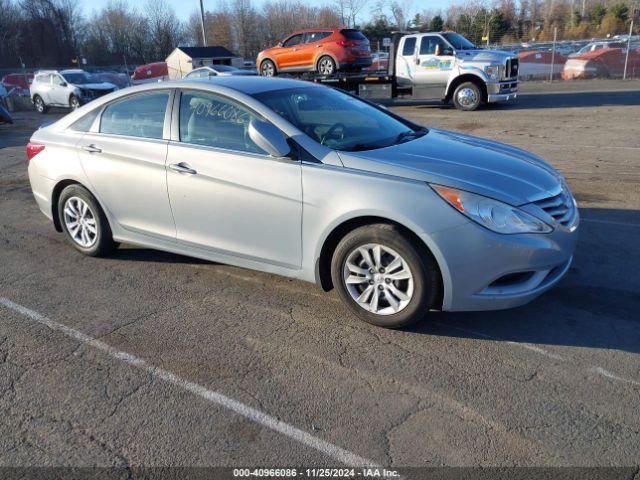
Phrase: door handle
(182,168)
(91,148)
(417,61)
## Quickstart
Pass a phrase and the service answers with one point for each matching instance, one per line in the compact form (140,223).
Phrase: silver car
(305,181)
(218,70)
(66,88)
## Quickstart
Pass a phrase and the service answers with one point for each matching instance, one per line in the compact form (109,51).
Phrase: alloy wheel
(378,279)
(74,103)
(80,222)
(39,105)
(326,66)
(268,69)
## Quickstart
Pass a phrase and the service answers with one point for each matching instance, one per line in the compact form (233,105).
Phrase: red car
(603,63)
(20,80)
(151,72)
(322,50)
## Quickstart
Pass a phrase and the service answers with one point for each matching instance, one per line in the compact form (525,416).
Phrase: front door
(59,93)
(291,53)
(433,63)
(226,193)
(125,163)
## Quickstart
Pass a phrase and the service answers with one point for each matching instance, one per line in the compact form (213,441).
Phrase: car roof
(71,70)
(251,85)
(329,29)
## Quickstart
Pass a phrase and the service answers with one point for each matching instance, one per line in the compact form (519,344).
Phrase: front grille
(560,207)
(511,68)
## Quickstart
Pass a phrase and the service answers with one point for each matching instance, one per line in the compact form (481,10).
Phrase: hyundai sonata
(309,182)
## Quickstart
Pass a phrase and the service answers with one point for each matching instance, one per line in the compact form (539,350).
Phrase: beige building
(184,59)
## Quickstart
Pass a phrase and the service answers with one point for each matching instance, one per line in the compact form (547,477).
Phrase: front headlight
(494,72)
(492,214)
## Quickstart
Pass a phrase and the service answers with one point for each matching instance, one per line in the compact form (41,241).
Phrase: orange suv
(322,50)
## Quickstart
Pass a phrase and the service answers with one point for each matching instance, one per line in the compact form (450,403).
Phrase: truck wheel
(39,104)
(326,66)
(268,69)
(467,96)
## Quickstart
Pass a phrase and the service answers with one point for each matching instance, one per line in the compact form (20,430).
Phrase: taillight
(347,43)
(33,149)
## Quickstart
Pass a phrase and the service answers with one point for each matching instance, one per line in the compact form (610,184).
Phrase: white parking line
(596,369)
(339,454)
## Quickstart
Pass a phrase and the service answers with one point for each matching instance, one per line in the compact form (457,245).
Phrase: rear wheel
(383,277)
(268,69)
(326,65)
(467,96)
(84,223)
(40,105)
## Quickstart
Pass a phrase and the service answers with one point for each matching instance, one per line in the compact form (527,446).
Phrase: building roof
(214,51)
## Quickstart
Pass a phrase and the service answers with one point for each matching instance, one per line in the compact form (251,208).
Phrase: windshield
(458,42)
(78,78)
(337,120)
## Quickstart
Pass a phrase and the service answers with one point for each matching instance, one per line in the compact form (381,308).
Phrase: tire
(326,65)
(41,107)
(268,69)
(70,205)
(420,291)
(467,96)
(74,102)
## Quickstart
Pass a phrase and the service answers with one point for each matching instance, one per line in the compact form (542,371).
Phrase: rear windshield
(353,34)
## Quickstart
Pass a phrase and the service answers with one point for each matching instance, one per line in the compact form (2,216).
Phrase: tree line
(41,33)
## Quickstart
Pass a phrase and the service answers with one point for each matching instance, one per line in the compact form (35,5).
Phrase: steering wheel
(329,133)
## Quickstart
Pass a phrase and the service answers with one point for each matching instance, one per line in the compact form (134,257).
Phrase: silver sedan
(305,181)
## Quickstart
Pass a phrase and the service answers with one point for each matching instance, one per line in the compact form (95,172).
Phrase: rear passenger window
(316,36)
(409,46)
(136,116)
(214,121)
(85,122)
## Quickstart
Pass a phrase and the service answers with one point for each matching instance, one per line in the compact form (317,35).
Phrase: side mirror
(447,51)
(63,84)
(280,44)
(269,138)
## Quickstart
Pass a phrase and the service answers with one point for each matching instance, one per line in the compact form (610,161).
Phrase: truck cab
(446,66)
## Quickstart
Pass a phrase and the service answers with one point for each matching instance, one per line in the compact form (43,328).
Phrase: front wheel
(268,69)
(74,102)
(467,96)
(384,277)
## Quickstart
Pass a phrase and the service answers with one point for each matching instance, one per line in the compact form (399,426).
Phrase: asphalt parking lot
(230,367)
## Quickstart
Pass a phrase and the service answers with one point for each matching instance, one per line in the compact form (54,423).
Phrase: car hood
(95,86)
(498,56)
(461,161)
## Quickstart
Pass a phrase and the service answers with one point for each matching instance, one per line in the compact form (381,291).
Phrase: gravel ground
(554,383)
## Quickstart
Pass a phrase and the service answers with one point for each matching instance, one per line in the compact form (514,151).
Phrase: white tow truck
(435,66)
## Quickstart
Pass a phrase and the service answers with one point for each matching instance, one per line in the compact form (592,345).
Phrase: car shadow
(537,100)
(597,304)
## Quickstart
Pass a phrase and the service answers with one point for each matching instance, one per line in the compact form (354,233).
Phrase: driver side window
(293,41)
(428,45)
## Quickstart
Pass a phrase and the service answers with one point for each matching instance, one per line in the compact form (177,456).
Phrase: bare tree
(166,31)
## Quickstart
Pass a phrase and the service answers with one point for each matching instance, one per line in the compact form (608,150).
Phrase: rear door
(227,194)
(43,87)
(405,58)
(313,43)
(125,162)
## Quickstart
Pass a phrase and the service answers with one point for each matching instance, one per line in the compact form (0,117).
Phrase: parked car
(536,64)
(151,72)
(66,88)
(379,61)
(18,80)
(602,63)
(310,182)
(120,80)
(317,50)
(594,46)
(219,70)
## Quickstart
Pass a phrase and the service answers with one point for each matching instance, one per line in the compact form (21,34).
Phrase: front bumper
(483,270)
(502,91)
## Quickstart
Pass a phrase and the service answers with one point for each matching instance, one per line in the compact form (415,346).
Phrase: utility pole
(626,58)
(204,33)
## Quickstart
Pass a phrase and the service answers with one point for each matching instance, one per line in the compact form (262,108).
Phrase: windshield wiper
(410,134)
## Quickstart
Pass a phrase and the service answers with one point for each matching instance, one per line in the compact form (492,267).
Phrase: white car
(66,88)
